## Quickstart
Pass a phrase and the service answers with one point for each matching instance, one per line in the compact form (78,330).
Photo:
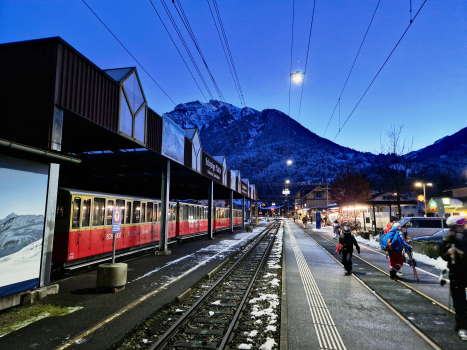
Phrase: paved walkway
(328,310)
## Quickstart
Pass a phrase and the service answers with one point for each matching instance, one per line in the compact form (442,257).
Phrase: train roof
(114,195)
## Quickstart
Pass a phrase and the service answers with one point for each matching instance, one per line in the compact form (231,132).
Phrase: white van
(421,226)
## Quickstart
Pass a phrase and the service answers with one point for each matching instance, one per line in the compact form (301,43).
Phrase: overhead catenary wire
(290,80)
(95,14)
(379,71)
(187,49)
(187,25)
(351,69)
(306,61)
(225,53)
(170,36)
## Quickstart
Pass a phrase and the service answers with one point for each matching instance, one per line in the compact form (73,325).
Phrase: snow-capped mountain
(256,142)
(17,232)
(259,142)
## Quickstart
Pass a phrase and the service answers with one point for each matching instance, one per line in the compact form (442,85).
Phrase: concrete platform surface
(329,310)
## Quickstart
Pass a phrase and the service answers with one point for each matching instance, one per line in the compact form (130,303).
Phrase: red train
(83,224)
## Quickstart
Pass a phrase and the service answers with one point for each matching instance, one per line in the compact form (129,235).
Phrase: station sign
(116,220)
(211,168)
(244,189)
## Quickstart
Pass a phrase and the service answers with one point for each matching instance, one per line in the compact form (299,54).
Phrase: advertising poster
(173,140)
(23,188)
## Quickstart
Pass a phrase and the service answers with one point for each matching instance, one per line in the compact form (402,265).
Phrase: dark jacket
(348,241)
(460,244)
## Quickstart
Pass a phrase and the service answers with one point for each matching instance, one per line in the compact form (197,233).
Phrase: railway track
(432,320)
(213,318)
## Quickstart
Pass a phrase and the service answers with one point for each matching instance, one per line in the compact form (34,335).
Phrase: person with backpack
(336,228)
(393,243)
(348,240)
(454,251)
(388,227)
(304,220)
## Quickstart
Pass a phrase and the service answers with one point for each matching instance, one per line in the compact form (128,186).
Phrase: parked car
(435,237)
(421,226)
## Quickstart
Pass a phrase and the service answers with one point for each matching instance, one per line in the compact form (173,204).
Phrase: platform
(329,310)
(153,281)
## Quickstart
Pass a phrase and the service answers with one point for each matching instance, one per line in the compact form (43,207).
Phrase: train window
(136,212)
(110,208)
(143,212)
(121,204)
(86,212)
(98,212)
(173,211)
(61,210)
(76,212)
(158,217)
(128,212)
(149,212)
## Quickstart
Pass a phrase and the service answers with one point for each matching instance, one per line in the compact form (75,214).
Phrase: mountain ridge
(259,142)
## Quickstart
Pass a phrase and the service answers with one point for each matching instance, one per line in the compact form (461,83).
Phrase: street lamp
(287,181)
(297,77)
(423,184)
(289,161)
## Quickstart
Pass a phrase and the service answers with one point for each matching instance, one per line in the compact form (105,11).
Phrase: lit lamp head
(287,181)
(418,184)
(297,77)
(289,161)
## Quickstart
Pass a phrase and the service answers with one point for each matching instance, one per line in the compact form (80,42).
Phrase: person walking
(393,242)
(454,250)
(348,240)
(336,228)
(304,220)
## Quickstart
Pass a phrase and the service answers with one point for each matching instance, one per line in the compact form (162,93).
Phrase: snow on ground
(439,263)
(215,250)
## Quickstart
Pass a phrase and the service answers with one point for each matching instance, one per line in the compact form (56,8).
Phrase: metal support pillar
(374,219)
(165,195)
(256,212)
(210,211)
(231,210)
(243,212)
(49,227)
(55,143)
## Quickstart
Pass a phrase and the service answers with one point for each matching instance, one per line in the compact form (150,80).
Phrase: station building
(66,123)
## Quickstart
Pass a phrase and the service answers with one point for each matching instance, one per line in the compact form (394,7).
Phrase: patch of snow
(268,345)
(217,302)
(270,328)
(245,346)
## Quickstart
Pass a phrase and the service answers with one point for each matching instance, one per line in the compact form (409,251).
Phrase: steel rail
(437,303)
(174,328)
(247,294)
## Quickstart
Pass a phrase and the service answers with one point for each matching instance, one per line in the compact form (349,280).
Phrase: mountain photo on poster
(23,185)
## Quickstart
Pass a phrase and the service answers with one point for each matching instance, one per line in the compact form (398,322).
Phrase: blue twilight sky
(423,85)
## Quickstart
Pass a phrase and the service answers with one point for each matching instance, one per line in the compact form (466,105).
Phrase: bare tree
(349,186)
(394,162)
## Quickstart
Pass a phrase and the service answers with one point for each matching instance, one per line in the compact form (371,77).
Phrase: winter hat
(456,220)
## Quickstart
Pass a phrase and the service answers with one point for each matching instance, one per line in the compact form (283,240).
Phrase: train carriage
(83,224)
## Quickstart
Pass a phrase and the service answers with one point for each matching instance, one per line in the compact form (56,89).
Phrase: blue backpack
(392,241)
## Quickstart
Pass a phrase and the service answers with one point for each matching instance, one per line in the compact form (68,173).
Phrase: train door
(158,221)
(143,227)
(96,236)
(73,239)
(108,236)
(197,219)
(150,222)
(191,219)
(125,242)
(85,229)
(135,224)
(172,220)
